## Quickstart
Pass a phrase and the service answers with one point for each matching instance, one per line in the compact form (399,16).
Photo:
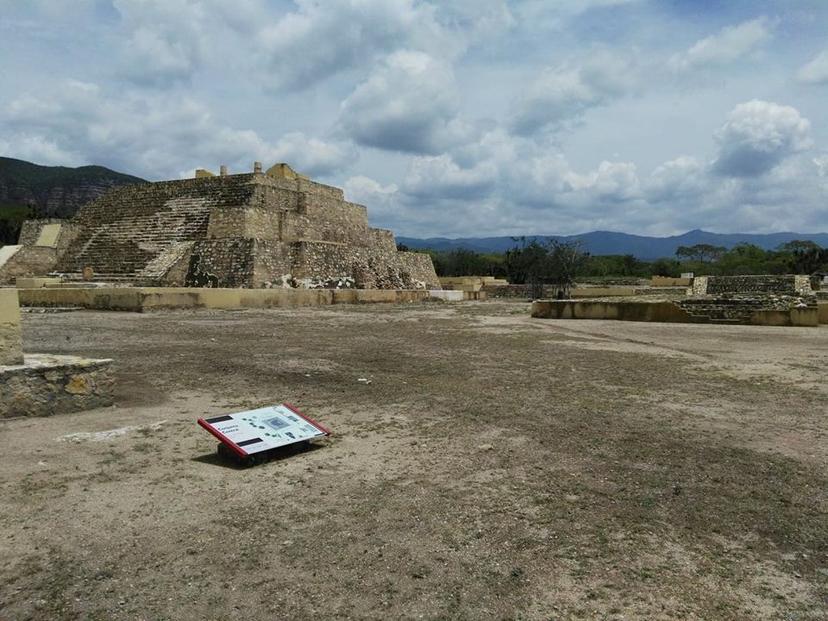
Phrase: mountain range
(610,242)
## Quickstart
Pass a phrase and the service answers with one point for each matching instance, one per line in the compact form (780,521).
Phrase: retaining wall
(667,312)
(140,299)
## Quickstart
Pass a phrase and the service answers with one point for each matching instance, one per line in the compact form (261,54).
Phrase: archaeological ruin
(781,300)
(273,229)
(45,384)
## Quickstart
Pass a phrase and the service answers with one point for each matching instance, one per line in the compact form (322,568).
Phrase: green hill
(30,190)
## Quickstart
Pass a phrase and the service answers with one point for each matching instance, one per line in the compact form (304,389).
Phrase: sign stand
(253,436)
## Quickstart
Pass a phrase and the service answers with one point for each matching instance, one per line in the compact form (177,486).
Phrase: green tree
(528,263)
(566,261)
(704,253)
(665,267)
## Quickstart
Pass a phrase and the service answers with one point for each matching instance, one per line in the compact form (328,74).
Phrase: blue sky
(471,117)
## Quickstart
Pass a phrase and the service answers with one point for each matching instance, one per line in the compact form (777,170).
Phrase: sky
(453,118)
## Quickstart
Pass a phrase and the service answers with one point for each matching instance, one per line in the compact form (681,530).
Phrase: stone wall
(28,261)
(31,230)
(49,385)
(761,284)
(221,263)
(665,312)
(11,345)
(419,267)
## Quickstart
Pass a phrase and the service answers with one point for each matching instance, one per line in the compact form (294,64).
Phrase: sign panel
(254,431)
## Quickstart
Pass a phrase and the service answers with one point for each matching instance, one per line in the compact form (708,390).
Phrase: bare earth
(496,467)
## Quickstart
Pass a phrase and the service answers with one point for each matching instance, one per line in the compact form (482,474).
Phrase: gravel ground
(495,467)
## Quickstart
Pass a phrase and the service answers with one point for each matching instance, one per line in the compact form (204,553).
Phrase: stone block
(666,281)
(35,282)
(48,235)
(47,385)
(11,345)
(602,292)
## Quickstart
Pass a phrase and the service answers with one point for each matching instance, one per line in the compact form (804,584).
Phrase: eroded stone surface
(48,384)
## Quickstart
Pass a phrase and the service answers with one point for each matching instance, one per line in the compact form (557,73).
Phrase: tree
(798,245)
(566,261)
(804,256)
(701,252)
(665,267)
(528,263)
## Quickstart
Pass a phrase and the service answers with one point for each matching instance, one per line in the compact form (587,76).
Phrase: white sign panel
(254,431)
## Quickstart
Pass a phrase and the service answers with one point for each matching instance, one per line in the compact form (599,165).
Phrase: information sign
(255,431)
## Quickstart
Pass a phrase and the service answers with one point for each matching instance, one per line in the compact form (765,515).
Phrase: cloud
(552,15)
(758,136)
(440,176)
(149,134)
(313,156)
(729,44)
(566,91)
(682,177)
(763,179)
(816,70)
(409,103)
(319,40)
(165,40)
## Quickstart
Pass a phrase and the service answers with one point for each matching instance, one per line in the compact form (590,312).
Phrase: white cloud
(162,134)
(382,200)
(313,156)
(563,92)
(440,176)
(816,70)
(545,14)
(729,44)
(319,40)
(758,136)
(682,177)
(408,103)
(165,39)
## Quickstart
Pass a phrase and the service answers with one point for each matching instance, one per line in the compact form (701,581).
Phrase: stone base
(46,385)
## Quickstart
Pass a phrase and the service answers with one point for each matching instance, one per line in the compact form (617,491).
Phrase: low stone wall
(34,282)
(761,284)
(822,312)
(514,291)
(602,292)
(623,311)
(140,299)
(666,281)
(11,346)
(662,312)
(48,385)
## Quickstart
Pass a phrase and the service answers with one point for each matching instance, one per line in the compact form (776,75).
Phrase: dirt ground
(495,467)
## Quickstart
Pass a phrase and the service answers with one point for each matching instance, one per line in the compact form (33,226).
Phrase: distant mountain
(609,242)
(54,191)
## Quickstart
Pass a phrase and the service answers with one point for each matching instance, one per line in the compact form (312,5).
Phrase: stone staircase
(135,228)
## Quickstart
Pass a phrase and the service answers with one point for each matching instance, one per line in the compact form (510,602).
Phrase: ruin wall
(249,230)
(28,261)
(761,284)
